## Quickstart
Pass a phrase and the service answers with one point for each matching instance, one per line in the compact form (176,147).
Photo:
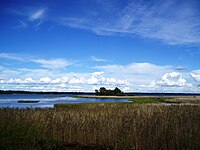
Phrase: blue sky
(136,45)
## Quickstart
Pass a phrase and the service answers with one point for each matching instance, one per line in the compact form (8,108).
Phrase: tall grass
(100,126)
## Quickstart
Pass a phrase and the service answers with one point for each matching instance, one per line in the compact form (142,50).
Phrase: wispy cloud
(93,58)
(10,56)
(57,63)
(22,24)
(136,68)
(30,16)
(53,63)
(170,22)
(37,14)
(74,22)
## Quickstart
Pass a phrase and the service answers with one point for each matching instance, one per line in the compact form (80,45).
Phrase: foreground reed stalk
(100,126)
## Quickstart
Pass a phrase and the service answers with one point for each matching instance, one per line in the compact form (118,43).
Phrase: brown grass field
(102,126)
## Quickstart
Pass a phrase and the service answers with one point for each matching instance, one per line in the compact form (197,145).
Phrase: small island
(28,101)
(104,92)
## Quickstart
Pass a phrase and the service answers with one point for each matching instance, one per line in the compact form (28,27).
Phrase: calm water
(47,100)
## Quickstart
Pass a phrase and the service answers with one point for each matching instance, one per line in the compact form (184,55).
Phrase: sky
(67,45)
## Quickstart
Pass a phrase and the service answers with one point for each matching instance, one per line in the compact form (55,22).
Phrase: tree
(104,91)
(117,91)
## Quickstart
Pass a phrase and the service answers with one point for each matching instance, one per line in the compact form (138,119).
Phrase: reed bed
(101,126)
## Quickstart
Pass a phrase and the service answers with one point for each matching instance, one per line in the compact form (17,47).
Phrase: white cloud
(52,63)
(173,79)
(22,24)
(93,80)
(2,68)
(45,80)
(60,80)
(74,22)
(64,82)
(97,73)
(10,56)
(145,77)
(7,73)
(98,79)
(37,14)
(196,77)
(93,58)
(76,80)
(30,16)
(196,71)
(45,63)
(136,73)
(29,80)
(140,77)
(161,21)
(170,21)
(136,68)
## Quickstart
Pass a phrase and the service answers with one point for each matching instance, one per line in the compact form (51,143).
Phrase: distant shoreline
(115,97)
(93,93)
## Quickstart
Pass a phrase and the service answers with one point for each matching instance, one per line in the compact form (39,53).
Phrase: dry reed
(100,126)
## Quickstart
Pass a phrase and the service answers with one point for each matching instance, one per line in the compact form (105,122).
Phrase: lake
(47,100)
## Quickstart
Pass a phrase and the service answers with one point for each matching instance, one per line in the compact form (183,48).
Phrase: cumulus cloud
(136,73)
(45,80)
(62,80)
(97,73)
(173,79)
(29,80)
(65,82)
(98,79)
(140,77)
(76,80)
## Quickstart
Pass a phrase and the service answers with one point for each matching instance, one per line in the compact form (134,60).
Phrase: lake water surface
(47,100)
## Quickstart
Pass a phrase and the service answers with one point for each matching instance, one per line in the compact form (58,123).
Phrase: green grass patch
(150,100)
(102,97)
(139,100)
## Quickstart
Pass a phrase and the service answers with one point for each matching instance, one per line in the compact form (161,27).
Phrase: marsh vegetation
(102,126)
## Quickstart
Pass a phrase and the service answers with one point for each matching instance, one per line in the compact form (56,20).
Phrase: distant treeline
(41,92)
(92,93)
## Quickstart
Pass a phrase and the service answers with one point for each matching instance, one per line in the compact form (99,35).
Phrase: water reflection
(46,100)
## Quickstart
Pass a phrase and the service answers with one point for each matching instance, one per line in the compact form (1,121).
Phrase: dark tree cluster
(103,91)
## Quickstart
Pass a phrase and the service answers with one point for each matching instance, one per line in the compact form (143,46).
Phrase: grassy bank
(150,99)
(100,126)
(103,97)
